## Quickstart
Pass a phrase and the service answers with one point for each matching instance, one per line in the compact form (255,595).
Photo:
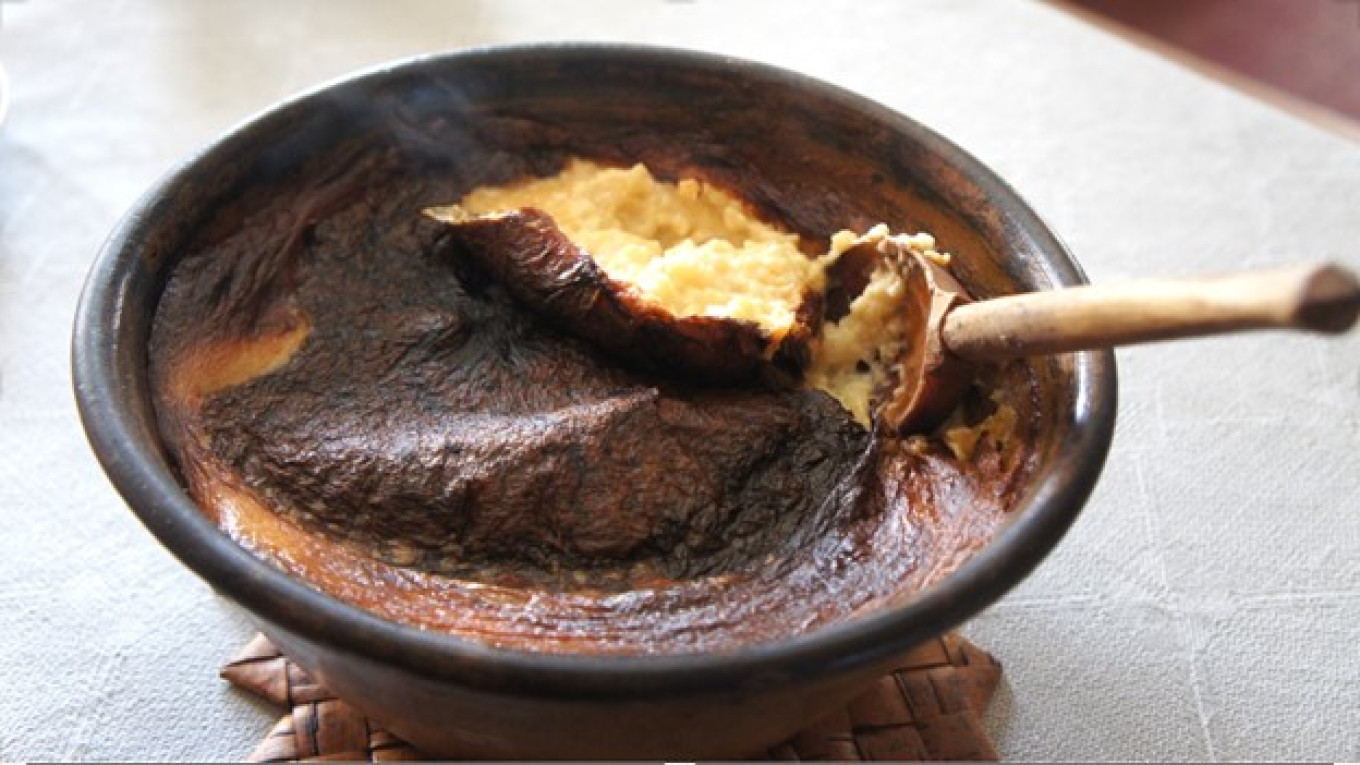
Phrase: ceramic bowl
(793,143)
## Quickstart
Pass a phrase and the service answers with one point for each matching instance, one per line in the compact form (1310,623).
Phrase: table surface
(1205,606)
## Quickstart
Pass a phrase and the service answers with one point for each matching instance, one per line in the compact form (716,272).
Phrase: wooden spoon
(955,333)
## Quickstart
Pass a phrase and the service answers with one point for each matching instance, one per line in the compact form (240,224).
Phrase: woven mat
(927,709)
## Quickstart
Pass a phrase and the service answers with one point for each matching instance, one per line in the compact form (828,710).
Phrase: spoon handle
(1320,298)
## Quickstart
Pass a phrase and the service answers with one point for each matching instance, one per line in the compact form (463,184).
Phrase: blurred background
(1301,55)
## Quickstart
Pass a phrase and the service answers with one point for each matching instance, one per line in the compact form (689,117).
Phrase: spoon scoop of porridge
(947,334)
(681,278)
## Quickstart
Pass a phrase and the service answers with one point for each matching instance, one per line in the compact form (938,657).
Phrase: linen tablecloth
(1205,606)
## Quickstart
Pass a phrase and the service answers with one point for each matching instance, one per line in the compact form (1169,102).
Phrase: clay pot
(816,155)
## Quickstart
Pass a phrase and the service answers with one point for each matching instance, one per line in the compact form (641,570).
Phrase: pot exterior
(446,719)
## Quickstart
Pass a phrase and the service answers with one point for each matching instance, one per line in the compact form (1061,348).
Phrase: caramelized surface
(356,403)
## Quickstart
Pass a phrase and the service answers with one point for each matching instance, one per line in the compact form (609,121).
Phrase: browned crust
(399,346)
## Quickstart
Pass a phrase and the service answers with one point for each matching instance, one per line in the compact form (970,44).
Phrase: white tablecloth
(1206,605)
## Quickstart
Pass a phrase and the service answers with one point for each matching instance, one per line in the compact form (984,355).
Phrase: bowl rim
(104,387)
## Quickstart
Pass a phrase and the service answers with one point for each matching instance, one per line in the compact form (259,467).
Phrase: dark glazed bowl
(823,157)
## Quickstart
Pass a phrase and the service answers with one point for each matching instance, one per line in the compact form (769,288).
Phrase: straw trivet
(927,709)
